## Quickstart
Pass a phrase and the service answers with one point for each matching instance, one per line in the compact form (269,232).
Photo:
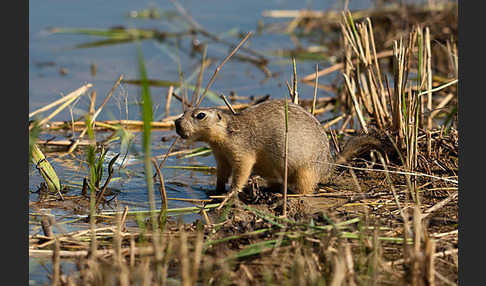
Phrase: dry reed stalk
(146,272)
(123,219)
(377,67)
(70,107)
(350,274)
(298,268)
(61,142)
(132,251)
(323,110)
(168,152)
(293,24)
(338,66)
(359,37)
(163,193)
(185,104)
(346,122)
(227,103)
(46,223)
(92,102)
(195,95)
(289,89)
(400,173)
(351,89)
(439,205)
(168,100)
(334,140)
(453,59)
(205,216)
(139,124)
(395,197)
(227,198)
(71,98)
(334,16)
(235,107)
(295,94)
(167,248)
(199,201)
(436,255)
(441,105)
(117,241)
(429,78)
(355,181)
(399,66)
(218,68)
(286,152)
(111,124)
(364,93)
(339,269)
(198,248)
(73,254)
(315,92)
(416,251)
(56,264)
(96,113)
(454,81)
(330,123)
(430,246)
(184,259)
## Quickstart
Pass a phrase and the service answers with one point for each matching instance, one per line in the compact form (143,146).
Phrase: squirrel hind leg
(306,180)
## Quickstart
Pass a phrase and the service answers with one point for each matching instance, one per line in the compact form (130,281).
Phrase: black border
(15,143)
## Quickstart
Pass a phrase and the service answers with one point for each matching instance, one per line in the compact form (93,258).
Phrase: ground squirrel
(253,141)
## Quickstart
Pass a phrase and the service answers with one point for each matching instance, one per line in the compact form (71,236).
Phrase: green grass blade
(45,169)
(147,117)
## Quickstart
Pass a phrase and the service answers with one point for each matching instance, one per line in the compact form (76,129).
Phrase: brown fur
(253,141)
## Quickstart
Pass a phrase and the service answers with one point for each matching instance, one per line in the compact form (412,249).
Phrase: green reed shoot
(147,116)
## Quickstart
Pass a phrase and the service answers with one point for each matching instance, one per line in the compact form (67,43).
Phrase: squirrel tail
(361,144)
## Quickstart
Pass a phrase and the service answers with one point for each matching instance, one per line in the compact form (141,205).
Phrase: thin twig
(286,152)
(295,94)
(439,205)
(163,193)
(98,111)
(437,254)
(195,95)
(168,100)
(213,78)
(398,172)
(355,102)
(168,152)
(315,92)
(227,103)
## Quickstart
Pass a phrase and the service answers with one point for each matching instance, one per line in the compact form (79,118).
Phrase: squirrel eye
(200,115)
